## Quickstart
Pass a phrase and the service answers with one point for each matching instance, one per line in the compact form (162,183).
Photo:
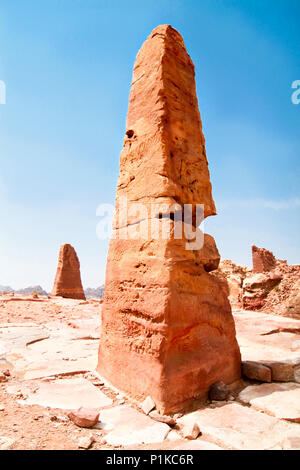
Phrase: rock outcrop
(292,307)
(256,289)
(68,280)
(271,287)
(167,327)
(233,275)
(262,259)
(271,284)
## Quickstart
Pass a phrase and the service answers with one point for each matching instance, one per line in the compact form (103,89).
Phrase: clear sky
(67,66)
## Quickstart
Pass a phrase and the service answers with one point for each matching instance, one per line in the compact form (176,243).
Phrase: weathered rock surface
(234,275)
(191,431)
(147,405)
(3,377)
(263,260)
(263,337)
(282,371)
(292,308)
(270,340)
(128,426)
(272,286)
(54,356)
(256,371)
(279,400)
(165,318)
(257,288)
(175,442)
(234,426)
(162,418)
(66,394)
(86,442)
(84,417)
(209,254)
(68,280)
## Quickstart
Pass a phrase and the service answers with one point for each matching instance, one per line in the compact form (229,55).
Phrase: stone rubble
(148,405)
(84,417)
(86,442)
(191,431)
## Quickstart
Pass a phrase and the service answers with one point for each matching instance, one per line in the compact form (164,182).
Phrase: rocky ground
(48,354)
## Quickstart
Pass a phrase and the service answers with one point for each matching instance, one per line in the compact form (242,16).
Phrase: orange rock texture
(167,327)
(263,260)
(68,280)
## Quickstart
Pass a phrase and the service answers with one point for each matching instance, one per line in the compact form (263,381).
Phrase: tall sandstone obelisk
(167,327)
(67,281)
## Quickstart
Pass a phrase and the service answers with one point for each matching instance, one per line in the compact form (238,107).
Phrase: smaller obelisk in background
(68,280)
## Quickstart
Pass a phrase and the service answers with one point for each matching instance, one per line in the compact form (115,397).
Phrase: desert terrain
(48,356)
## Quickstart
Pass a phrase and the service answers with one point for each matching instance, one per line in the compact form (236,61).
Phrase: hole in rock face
(171,216)
(171,154)
(130,133)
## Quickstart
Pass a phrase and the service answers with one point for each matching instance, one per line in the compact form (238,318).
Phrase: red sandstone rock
(234,276)
(147,405)
(257,288)
(162,418)
(271,291)
(85,442)
(209,254)
(282,371)
(67,280)
(191,431)
(256,371)
(167,327)
(292,308)
(3,377)
(263,260)
(84,417)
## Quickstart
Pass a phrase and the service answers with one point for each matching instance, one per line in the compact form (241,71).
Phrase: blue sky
(67,66)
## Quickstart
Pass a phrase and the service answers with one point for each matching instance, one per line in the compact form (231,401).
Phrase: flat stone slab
(66,394)
(54,356)
(86,330)
(130,427)
(179,444)
(19,336)
(256,371)
(279,347)
(279,400)
(256,324)
(235,426)
(198,444)
(267,338)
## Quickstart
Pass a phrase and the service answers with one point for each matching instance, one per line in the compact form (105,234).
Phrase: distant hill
(6,289)
(26,290)
(96,293)
(29,290)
